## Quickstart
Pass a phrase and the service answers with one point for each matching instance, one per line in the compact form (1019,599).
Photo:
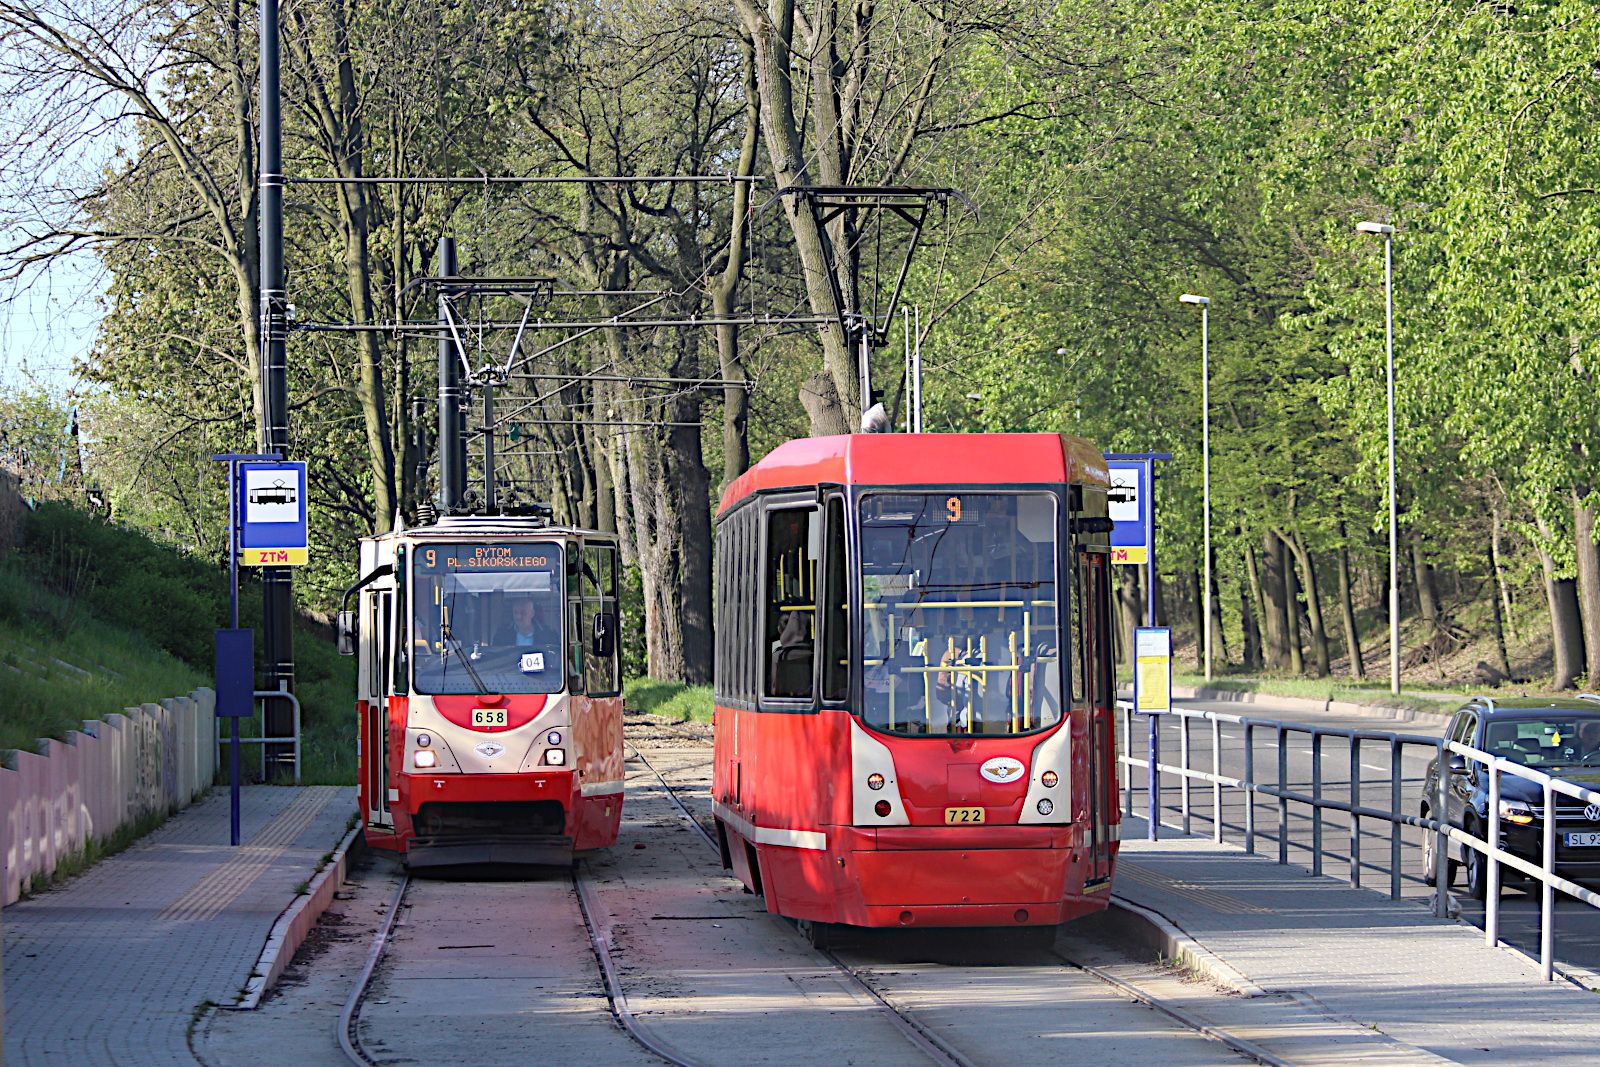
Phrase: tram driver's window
(794,538)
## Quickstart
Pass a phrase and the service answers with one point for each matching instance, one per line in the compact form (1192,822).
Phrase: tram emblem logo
(1002,769)
(1592,812)
(489,749)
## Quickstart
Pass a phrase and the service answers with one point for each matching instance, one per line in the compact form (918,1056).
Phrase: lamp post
(1205,451)
(1387,233)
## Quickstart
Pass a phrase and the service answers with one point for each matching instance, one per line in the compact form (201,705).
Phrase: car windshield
(488,618)
(1566,741)
(958,597)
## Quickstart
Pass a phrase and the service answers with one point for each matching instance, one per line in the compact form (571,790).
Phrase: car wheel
(1450,866)
(1478,875)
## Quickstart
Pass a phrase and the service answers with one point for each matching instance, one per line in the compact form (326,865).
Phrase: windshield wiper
(461,654)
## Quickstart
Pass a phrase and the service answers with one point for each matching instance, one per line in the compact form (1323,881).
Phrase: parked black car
(1560,737)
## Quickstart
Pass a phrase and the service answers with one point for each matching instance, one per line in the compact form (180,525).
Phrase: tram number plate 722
(967,816)
(488,716)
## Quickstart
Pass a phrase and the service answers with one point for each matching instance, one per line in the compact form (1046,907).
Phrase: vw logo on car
(1592,812)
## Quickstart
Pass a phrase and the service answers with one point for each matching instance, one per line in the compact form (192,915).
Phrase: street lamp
(1387,233)
(1205,451)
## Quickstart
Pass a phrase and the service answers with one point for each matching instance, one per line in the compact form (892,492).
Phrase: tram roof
(924,459)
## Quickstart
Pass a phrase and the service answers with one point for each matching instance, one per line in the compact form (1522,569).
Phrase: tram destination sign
(270,500)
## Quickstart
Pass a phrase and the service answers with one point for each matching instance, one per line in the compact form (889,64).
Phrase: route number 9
(952,508)
(432,557)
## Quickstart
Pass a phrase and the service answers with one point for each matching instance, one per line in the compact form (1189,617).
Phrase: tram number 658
(488,716)
(954,816)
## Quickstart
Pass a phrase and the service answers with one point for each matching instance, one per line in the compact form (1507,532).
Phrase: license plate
(967,816)
(1585,839)
(488,716)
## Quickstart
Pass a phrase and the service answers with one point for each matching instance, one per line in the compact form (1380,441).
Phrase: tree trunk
(1566,629)
(1503,661)
(1319,633)
(735,397)
(1158,594)
(1499,574)
(1249,609)
(1198,617)
(1588,584)
(1427,596)
(1274,602)
(1129,605)
(1219,635)
(1291,599)
(1347,608)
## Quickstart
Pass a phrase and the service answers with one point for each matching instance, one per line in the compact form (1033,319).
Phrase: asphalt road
(1577,926)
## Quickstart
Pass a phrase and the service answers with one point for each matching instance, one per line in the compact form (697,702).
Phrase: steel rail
(914,1032)
(349,1039)
(1238,1044)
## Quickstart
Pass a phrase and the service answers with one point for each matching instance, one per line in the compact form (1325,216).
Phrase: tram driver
(526,629)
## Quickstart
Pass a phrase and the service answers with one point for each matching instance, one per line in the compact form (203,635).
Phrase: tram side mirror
(603,642)
(347,633)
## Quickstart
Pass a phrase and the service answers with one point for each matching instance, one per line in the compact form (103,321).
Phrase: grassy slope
(59,666)
(119,588)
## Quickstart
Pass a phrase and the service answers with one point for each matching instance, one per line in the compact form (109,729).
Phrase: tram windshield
(488,618)
(959,612)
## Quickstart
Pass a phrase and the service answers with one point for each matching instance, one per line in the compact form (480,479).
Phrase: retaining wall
(156,757)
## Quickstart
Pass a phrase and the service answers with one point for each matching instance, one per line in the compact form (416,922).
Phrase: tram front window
(959,612)
(488,618)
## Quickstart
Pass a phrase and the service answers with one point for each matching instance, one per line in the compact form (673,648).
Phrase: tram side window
(791,582)
(576,652)
(599,603)
(835,599)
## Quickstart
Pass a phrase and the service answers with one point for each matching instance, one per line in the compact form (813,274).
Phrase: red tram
(490,700)
(914,683)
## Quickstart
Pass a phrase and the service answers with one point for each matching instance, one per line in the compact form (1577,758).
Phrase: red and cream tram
(489,693)
(913,681)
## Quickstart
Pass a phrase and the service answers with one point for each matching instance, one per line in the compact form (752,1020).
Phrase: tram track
(928,1044)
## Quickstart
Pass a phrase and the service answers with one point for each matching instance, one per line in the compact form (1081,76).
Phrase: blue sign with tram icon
(1131,537)
(271,504)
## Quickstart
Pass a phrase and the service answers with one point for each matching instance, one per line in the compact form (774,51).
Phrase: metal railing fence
(1397,818)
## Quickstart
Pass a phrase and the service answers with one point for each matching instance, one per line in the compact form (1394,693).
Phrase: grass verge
(674,700)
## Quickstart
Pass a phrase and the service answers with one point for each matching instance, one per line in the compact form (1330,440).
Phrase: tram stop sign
(1131,536)
(270,500)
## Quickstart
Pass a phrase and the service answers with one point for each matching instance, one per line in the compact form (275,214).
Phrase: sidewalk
(1423,981)
(109,968)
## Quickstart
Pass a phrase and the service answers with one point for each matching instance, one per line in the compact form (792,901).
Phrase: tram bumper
(463,819)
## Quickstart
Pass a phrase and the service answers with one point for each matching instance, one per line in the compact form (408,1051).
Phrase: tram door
(376,653)
(1095,662)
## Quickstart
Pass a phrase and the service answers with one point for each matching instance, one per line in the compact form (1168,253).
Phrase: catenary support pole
(1205,424)
(277,590)
(1394,492)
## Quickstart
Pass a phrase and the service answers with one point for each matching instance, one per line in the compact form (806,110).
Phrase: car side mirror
(603,640)
(347,633)
(1459,764)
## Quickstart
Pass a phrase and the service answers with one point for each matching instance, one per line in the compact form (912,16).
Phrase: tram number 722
(953,816)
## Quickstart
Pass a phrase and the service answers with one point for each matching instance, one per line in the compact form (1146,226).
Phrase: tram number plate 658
(955,816)
(488,716)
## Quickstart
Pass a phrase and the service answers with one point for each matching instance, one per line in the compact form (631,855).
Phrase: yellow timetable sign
(272,557)
(1152,682)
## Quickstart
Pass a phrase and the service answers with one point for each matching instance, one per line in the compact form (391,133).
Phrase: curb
(290,931)
(1391,712)
(1151,930)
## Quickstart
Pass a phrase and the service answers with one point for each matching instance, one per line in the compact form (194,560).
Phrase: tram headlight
(874,781)
(1045,806)
(554,737)
(555,757)
(424,757)
(1048,779)
(423,740)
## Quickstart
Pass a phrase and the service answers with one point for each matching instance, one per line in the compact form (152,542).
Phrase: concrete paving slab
(109,968)
(1426,982)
